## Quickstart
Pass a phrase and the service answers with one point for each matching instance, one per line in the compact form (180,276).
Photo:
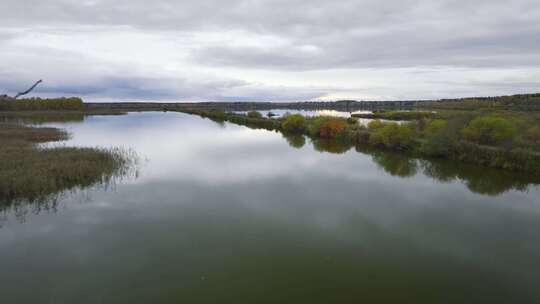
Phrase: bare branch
(29,90)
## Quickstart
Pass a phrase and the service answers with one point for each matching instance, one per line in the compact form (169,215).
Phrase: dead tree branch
(29,90)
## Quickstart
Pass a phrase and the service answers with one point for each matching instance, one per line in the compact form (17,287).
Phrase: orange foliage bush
(332,128)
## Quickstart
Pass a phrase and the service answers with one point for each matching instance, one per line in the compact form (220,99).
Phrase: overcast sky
(275,50)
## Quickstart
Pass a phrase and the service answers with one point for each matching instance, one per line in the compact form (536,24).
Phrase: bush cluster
(294,124)
(332,128)
(490,130)
(254,114)
(486,138)
(392,135)
(38,104)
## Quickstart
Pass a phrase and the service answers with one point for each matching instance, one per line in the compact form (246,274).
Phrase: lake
(220,213)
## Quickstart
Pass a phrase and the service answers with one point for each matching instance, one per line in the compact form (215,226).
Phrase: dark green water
(227,214)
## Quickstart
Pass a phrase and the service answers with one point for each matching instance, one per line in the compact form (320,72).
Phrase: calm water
(313,113)
(282,112)
(226,214)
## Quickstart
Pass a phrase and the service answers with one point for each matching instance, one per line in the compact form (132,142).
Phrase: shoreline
(517,159)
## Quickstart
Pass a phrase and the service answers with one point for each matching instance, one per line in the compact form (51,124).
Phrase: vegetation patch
(332,128)
(397,115)
(30,173)
(294,124)
(498,139)
(521,102)
(254,114)
(490,130)
(50,116)
(393,136)
(39,104)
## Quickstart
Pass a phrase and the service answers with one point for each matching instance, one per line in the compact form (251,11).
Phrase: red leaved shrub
(332,128)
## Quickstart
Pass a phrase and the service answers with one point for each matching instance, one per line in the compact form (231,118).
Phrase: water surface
(283,112)
(226,214)
(280,113)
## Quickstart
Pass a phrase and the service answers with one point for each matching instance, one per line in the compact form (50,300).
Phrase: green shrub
(254,114)
(352,121)
(375,124)
(358,136)
(393,135)
(434,126)
(441,138)
(218,115)
(489,130)
(294,124)
(441,143)
(255,123)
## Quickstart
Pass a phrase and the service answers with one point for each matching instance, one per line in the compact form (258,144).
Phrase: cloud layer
(271,50)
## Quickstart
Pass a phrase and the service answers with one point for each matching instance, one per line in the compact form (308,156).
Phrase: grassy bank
(497,139)
(30,173)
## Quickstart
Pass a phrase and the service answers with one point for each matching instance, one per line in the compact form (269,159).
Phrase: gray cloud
(142,88)
(478,34)
(162,89)
(217,37)
(6,36)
